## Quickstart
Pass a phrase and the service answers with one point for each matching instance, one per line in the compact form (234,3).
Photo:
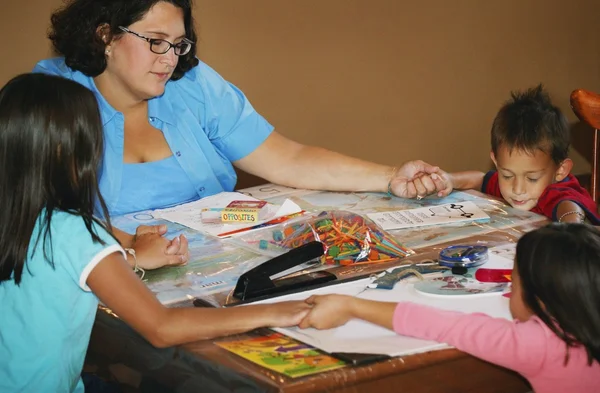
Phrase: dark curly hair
(74,35)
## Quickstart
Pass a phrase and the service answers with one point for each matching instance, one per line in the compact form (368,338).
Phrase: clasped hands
(154,250)
(418,179)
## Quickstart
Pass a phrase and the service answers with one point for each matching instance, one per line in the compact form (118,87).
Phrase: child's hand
(153,250)
(285,314)
(328,311)
(446,179)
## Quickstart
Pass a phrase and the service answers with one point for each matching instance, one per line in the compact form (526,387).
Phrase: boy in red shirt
(530,146)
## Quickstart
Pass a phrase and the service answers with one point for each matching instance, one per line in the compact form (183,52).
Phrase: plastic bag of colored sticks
(347,237)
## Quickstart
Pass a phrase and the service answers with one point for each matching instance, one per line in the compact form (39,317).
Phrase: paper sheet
(363,337)
(449,213)
(189,214)
(266,191)
(498,258)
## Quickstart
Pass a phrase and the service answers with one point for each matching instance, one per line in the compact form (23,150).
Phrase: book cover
(282,354)
(244,211)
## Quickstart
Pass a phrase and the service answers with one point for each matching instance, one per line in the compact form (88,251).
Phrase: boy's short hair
(529,121)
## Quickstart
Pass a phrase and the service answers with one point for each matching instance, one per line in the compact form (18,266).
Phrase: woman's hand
(153,250)
(439,179)
(418,179)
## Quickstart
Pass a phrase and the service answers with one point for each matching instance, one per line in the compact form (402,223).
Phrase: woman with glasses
(175,129)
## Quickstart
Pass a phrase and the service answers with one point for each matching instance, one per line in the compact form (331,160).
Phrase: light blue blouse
(207,122)
(137,193)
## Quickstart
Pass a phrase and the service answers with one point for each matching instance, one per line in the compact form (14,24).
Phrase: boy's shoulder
(569,189)
(490,184)
(569,183)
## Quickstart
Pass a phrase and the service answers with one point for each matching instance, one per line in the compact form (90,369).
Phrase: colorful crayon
(348,238)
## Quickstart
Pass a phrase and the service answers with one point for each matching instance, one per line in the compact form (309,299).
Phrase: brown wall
(385,80)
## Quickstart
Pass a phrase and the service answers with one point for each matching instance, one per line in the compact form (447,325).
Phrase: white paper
(190,214)
(363,337)
(265,191)
(506,251)
(448,213)
(497,261)
(287,207)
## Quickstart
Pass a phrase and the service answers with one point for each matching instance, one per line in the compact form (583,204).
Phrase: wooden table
(205,367)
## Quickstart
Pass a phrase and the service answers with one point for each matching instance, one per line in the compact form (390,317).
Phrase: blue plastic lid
(463,256)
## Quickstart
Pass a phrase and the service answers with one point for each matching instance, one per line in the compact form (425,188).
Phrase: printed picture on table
(283,355)
(456,285)
(451,210)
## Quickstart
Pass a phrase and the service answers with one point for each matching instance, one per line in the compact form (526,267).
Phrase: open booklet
(359,336)
(449,213)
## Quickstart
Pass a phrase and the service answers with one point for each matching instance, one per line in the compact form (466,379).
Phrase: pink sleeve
(518,346)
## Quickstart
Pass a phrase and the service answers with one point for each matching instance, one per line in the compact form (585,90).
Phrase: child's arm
(569,211)
(515,346)
(115,284)
(518,346)
(468,180)
(331,311)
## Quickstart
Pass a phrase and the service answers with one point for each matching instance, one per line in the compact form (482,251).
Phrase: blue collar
(158,107)
(161,108)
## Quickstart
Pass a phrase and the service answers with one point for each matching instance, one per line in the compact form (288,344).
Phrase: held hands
(153,250)
(285,314)
(442,178)
(328,311)
(420,179)
(320,312)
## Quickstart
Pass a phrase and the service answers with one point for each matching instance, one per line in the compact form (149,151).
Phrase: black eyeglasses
(160,46)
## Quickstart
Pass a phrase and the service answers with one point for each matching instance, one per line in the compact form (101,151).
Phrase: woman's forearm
(321,169)
(283,161)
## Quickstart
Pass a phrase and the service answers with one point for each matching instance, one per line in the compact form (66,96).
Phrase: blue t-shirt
(46,321)
(207,122)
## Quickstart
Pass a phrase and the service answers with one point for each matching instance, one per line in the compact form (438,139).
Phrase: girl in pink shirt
(554,340)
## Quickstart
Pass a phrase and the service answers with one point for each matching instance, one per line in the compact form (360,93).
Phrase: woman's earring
(107,51)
